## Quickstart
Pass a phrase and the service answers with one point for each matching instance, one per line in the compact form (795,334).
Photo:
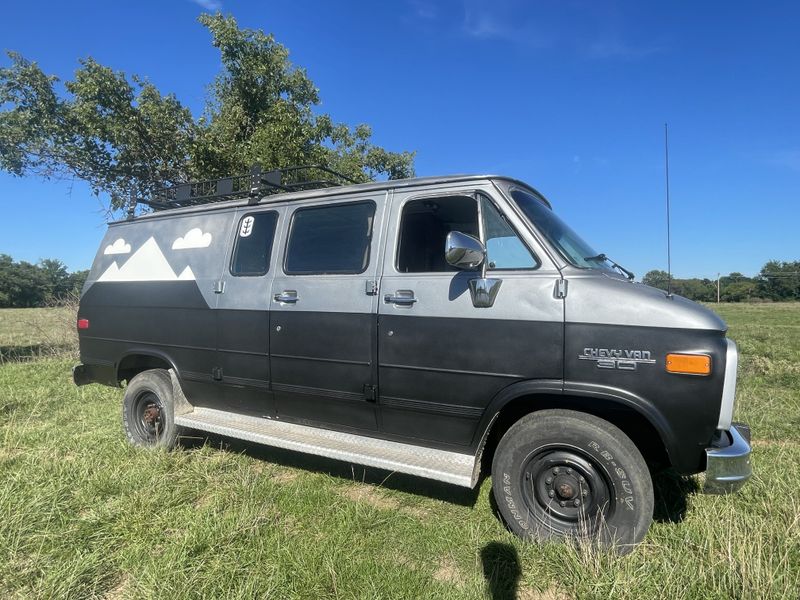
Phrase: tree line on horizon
(29,285)
(776,281)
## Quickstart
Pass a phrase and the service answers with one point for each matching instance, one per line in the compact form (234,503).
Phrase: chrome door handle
(401,298)
(287,297)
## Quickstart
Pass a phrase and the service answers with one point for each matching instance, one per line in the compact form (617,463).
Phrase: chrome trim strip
(729,386)
(198,377)
(312,391)
(728,468)
(341,361)
(450,371)
(260,384)
(432,407)
(100,362)
(149,343)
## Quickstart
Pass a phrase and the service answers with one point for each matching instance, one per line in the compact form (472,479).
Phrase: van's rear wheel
(564,474)
(148,412)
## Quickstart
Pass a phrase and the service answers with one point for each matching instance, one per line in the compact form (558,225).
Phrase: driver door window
(504,250)
(425,224)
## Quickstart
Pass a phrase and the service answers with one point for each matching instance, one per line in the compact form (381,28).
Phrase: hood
(603,299)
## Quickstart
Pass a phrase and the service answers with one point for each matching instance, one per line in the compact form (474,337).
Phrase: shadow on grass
(670,489)
(670,492)
(501,569)
(336,468)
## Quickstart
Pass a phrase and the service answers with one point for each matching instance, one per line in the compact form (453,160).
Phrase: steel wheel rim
(566,490)
(148,416)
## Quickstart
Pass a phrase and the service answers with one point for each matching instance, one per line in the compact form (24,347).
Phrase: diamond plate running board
(441,465)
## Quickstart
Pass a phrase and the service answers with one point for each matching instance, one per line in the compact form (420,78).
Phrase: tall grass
(31,333)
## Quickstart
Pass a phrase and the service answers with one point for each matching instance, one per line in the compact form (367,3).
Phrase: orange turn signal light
(689,364)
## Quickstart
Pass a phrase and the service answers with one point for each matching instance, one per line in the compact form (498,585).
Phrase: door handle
(401,298)
(287,297)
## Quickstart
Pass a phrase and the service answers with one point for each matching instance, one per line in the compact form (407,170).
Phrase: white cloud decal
(194,238)
(118,247)
(147,264)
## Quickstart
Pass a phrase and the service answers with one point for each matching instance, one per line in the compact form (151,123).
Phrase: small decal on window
(247,227)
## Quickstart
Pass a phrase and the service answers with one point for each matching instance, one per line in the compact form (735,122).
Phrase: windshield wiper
(603,258)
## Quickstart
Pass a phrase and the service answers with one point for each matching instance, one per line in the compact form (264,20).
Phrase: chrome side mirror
(463,251)
(466,252)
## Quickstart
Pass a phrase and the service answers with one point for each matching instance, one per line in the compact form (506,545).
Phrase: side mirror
(463,251)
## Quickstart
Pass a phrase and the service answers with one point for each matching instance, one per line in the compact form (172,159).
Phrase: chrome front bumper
(728,464)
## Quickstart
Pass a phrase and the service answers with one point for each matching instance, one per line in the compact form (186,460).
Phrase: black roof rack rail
(253,185)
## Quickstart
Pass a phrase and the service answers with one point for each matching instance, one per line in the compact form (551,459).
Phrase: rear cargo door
(243,311)
(151,293)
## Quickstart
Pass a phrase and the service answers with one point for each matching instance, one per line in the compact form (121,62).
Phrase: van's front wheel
(148,413)
(564,474)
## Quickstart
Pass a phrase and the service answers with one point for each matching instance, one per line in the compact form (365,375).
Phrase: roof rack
(254,185)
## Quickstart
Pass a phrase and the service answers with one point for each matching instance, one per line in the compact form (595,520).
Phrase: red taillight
(83,323)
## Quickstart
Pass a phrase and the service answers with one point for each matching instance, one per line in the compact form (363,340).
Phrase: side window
(253,247)
(504,249)
(330,239)
(424,226)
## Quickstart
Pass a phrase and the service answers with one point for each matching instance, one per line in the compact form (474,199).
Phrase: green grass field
(84,515)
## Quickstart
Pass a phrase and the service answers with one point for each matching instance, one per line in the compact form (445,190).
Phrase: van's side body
(363,333)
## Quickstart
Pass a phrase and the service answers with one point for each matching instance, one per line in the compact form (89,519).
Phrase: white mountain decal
(148,263)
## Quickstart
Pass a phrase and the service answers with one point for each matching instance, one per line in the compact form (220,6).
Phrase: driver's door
(441,359)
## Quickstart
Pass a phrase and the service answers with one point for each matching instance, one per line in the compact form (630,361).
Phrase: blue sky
(569,96)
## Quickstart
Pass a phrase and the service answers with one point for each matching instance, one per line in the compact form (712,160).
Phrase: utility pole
(717,288)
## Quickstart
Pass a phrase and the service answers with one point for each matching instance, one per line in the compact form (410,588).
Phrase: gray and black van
(439,326)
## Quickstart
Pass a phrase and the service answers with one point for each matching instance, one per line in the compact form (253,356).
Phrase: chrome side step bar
(441,465)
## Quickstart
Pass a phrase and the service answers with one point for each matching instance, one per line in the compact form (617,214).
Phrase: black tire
(148,410)
(560,474)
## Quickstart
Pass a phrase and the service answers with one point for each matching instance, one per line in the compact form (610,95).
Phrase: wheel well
(133,364)
(632,423)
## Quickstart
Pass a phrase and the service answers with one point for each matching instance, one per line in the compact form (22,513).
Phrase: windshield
(558,233)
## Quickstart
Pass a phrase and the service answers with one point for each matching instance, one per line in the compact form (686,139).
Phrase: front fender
(556,394)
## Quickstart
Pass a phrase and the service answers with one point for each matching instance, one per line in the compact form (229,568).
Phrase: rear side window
(253,247)
(330,239)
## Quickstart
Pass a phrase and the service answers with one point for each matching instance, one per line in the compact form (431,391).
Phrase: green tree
(739,290)
(76,281)
(700,290)
(656,279)
(120,137)
(6,276)
(24,285)
(123,136)
(56,277)
(780,280)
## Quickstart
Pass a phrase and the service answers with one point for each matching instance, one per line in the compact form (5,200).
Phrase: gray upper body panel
(594,296)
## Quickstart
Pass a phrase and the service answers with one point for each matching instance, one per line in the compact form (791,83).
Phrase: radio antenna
(666,176)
